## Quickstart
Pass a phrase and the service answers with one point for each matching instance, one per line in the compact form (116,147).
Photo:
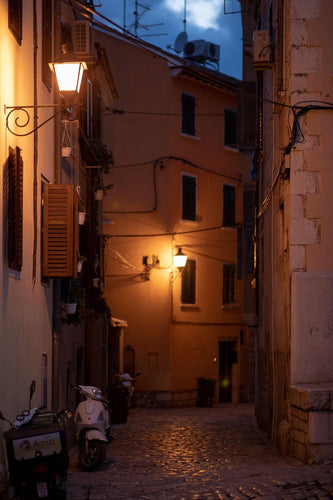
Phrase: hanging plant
(71,301)
(77,315)
(81,208)
(100,188)
(80,261)
(81,217)
(66,146)
(96,153)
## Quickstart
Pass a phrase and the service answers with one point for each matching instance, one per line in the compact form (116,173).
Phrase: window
(189,195)
(229,205)
(89,116)
(15,209)
(15,18)
(229,275)
(188,282)
(47,42)
(230,128)
(188,114)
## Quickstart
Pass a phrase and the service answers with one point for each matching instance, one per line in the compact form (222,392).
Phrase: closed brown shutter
(15,209)
(60,231)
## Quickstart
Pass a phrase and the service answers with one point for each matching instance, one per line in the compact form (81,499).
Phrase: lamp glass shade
(180,259)
(69,75)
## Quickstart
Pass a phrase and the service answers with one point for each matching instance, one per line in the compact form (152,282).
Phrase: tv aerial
(139,11)
(182,38)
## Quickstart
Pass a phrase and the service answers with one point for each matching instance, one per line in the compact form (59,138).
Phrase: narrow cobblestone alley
(197,453)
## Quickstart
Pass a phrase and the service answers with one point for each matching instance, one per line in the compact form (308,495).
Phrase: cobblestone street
(197,453)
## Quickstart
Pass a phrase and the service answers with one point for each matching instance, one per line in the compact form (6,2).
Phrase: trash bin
(206,390)
(118,398)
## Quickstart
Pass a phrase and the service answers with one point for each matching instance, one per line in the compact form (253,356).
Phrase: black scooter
(36,449)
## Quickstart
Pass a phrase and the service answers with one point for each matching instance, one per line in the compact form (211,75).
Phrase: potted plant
(99,187)
(80,260)
(81,214)
(96,153)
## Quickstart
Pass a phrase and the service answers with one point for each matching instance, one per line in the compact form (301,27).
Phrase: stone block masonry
(311,421)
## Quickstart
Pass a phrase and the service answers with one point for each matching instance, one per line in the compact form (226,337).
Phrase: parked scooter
(36,449)
(128,382)
(92,421)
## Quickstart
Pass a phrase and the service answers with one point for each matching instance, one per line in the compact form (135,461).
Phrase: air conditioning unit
(262,49)
(202,50)
(212,51)
(83,39)
(195,49)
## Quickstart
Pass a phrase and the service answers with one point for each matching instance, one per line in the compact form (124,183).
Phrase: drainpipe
(56,323)
(35,161)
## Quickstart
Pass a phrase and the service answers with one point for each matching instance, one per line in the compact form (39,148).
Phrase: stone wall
(166,399)
(311,422)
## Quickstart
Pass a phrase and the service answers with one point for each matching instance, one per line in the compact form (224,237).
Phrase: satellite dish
(180,42)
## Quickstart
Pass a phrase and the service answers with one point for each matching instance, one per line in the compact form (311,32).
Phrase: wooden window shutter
(15,18)
(15,209)
(60,231)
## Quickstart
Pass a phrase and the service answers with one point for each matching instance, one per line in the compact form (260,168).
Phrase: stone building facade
(292,58)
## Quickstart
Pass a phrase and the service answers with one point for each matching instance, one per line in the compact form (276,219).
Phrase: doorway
(227,357)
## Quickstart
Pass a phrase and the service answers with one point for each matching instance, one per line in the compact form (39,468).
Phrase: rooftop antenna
(182,38)
(124,15)
(137,17)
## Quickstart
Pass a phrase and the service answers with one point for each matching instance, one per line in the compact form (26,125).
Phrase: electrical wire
(115,111)
(174,233)
(296,132)
(155,164)
(122,260)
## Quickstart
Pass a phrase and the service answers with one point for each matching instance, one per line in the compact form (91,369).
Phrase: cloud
(201,13)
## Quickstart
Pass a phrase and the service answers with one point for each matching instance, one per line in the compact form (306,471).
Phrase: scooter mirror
(32,390)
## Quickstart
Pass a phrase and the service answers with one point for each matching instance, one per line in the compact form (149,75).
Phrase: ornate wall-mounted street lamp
(180,259)
(69,74)
(68,71)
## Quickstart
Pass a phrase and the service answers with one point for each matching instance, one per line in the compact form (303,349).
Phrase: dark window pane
(188,114)
(188,282)
(47,42)
(229,205)
(15,18)
(188,197)
(230,128)
(229,272)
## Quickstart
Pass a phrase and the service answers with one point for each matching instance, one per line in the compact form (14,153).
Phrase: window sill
(189,222)
(229,148)
(189,307)
(229,307)
(189,136)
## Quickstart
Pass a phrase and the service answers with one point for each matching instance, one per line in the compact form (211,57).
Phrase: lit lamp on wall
(68,71)
(180,259)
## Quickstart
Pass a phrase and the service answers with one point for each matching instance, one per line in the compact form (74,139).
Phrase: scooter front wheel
(93,456)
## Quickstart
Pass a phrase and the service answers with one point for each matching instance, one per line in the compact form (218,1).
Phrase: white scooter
(128,383)
(92,421)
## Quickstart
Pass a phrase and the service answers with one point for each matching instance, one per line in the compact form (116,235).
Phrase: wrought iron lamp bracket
(23,116)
